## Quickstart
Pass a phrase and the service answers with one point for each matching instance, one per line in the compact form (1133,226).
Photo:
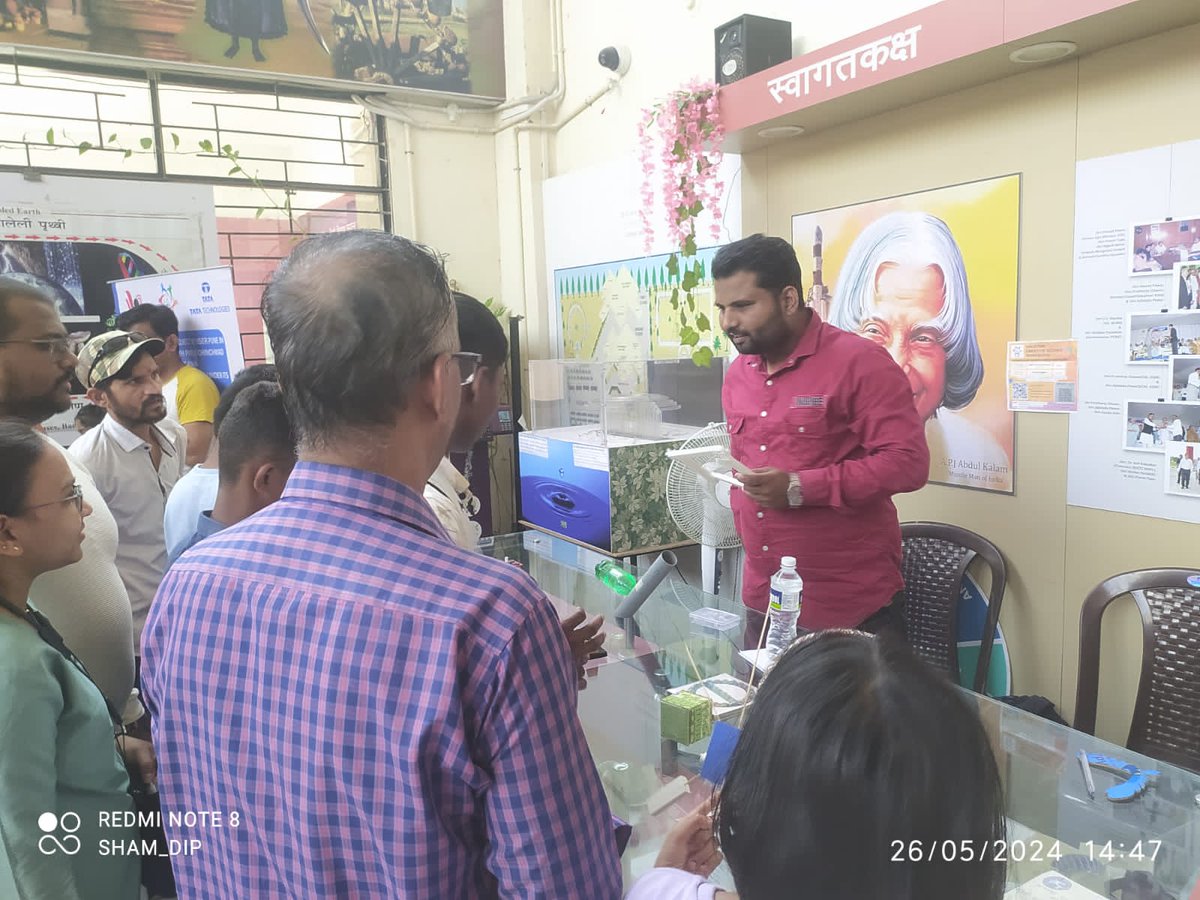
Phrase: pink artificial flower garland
(680,139)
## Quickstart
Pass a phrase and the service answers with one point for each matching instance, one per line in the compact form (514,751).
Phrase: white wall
(671,42)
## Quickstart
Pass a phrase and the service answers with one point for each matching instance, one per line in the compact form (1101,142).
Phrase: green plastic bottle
(615,577)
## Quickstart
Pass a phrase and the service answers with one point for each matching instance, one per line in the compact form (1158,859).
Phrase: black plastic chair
(935,560)
(1166,714)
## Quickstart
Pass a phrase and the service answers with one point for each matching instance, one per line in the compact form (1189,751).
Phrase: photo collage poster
(1135,442)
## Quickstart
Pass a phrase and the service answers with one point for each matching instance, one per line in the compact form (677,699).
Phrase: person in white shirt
(196,491)
(1176,429)
(86,601)
(135,456)
(848,750)
(189,394)
(1193,386)
(483,357)
(481,360)
(1184,474)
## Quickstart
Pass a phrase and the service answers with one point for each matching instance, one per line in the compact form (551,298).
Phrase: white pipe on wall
(410,171)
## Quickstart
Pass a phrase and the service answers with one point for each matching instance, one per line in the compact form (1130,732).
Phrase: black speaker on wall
(750,44)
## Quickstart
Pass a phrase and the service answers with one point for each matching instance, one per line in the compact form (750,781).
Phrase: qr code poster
(1043,376)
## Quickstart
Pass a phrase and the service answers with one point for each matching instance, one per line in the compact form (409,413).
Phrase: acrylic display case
(593,465)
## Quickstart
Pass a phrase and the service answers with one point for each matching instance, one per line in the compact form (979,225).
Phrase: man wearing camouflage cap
(135,455)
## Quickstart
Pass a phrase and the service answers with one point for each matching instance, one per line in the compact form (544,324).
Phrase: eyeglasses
(468,365)
(68,344)
(113,345)
(76,497)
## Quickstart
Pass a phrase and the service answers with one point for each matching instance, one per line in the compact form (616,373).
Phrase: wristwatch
(795,494)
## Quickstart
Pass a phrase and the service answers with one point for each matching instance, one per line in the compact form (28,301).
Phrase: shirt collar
(362,490)
(448,477)
(128,441)
(207,526)
(807,346)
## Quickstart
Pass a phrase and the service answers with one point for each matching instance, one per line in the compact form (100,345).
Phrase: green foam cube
(686,717)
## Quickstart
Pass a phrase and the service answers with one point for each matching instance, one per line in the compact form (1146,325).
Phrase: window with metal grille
(284,163)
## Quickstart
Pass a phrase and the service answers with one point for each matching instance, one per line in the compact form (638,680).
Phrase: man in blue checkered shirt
(374,711)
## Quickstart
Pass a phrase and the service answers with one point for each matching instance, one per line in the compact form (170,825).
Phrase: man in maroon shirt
(825,419)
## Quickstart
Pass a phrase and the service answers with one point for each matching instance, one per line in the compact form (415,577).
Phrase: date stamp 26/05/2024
(1002,850)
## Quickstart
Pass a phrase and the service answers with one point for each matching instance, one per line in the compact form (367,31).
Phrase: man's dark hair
(771,259)
(90,415)
(256,426)
(248,376)
(162,319)
(355,318)
(20,449)
(479,331)
(854,743)
(11,289)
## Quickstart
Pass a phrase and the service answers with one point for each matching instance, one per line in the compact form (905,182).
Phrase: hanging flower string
(680,143)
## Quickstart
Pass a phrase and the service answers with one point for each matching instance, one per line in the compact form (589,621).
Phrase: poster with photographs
(1153,338)
(1183,458)
(1130,362)
(1151,425)
(932,277)
(1156,247)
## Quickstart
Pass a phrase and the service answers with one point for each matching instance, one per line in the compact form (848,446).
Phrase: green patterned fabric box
(686,718)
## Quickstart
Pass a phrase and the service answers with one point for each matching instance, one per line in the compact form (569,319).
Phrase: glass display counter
(1069,845)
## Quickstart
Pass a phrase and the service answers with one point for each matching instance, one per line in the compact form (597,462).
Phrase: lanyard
(48,633)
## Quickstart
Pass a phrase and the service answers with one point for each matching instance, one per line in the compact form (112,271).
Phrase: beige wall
(1037,123)
(448,199)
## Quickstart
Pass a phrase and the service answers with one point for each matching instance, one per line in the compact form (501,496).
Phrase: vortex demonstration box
(594,465)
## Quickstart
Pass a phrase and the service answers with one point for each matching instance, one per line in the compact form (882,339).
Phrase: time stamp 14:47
(1020,851)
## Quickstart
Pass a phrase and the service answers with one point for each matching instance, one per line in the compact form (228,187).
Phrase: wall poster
(71,237)
(437,45)
(1135,441)
(931,276)
(203,302)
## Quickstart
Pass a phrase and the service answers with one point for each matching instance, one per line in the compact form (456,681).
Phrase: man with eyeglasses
(86,601)
(135,455)
(397,715)
(448,493)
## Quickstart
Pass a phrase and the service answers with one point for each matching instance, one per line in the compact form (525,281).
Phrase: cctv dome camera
(615,58)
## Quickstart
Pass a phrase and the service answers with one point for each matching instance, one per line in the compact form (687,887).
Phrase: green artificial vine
(204,148)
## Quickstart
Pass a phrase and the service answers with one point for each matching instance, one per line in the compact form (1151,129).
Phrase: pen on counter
(1087,774)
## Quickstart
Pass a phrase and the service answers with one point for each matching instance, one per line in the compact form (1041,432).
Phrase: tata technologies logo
(49,843)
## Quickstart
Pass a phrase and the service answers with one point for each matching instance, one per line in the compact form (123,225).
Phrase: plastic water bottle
(615,577)
(787,587)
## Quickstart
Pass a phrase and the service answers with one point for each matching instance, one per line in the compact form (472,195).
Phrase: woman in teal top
(59,766)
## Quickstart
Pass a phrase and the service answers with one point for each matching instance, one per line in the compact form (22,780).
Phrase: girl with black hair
(854,747)
(60,772)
